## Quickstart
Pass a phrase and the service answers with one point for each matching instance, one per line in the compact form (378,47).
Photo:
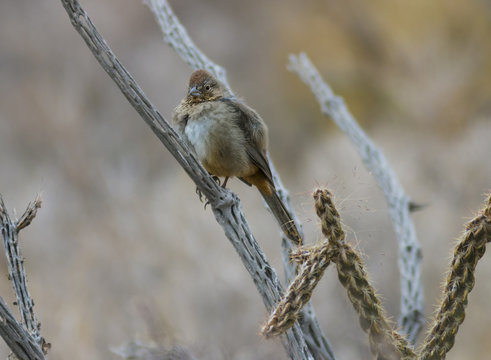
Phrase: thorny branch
(409,257)
(225,205)
(30,344)
(385,342)
(459,284)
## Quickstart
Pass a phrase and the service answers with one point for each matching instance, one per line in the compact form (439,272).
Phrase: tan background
(122,237)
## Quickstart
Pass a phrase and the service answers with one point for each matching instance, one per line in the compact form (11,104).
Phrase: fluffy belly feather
(216,150)
(198,133)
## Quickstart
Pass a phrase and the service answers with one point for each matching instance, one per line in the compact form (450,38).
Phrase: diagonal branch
(409,257)
(16,337)
(225,205)
(176,36)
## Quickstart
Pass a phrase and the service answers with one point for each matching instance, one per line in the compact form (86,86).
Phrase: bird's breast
(198,134)
(218,142)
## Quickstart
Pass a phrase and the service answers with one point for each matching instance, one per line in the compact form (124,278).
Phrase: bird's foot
(199,193)
(216,179)
(219,183)
(225,182)
(201,196)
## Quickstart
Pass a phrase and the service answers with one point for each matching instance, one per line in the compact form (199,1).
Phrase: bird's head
(203,86)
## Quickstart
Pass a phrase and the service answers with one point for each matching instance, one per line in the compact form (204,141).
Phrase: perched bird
(230,139)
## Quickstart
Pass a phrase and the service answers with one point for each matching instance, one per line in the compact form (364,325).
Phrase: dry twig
(16,337)
(26,344)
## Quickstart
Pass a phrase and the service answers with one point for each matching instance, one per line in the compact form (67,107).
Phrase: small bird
(230,139)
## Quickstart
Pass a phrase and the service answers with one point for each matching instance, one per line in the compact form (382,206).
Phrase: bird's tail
(282,216)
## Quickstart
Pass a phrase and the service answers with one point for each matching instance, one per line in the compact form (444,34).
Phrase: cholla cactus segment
(459,284)
(314,260)
(385,343)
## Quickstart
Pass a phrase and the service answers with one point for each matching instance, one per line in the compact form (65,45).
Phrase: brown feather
(198,77)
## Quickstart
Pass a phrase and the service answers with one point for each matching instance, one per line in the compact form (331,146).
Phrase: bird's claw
(200,195)
(216,179)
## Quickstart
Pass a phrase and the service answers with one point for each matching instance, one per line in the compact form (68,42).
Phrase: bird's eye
(207,87)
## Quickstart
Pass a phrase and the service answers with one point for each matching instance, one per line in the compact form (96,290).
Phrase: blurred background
(122,248)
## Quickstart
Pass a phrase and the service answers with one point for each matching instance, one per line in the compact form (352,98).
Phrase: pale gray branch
(17,338)
(409,256)
(15,261)
(25,344)
(176,36)
(225,205)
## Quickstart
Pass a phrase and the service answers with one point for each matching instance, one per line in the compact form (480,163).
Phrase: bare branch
(225,205)
(25,344)
(15,262)
(409,256)
(29,214)
(17,338)
(176,36)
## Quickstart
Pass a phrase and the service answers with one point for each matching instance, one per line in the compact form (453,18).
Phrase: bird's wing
(260,160)
(181,124)
(256,132)
(180,117)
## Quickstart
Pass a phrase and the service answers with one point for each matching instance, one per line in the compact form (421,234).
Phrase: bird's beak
(194,92)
